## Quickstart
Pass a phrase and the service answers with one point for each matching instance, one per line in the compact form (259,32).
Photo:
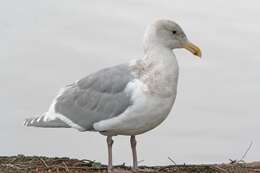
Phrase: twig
(45,164)
(20,165)
(11,166)
(172,161)
(219,169)
(248,148)
(57,170)
(66,167)
(14,159)
(243,157)
(232,161)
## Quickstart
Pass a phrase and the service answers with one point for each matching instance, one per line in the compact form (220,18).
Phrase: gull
(126,99)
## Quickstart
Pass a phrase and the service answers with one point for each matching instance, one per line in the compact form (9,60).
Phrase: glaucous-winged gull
(127,99)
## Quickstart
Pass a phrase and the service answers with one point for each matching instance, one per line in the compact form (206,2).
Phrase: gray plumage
(96,97)
(39,122)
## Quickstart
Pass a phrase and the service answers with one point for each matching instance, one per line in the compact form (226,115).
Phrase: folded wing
(96,97)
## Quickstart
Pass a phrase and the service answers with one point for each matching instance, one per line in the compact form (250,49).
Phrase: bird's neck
(160,71)
(161,55)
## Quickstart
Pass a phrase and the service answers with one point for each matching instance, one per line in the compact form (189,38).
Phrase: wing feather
(96,97)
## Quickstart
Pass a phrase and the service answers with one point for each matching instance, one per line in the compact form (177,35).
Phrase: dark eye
(174,32)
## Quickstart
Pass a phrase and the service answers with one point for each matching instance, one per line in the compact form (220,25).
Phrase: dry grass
(33,164)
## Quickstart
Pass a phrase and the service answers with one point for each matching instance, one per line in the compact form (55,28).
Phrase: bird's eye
(174,32)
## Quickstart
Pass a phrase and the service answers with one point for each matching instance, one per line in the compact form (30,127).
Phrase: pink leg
(109,146)
(133,146)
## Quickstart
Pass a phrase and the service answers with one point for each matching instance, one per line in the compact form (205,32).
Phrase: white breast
(147,112)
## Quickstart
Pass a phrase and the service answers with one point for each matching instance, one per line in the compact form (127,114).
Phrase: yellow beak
(195,50)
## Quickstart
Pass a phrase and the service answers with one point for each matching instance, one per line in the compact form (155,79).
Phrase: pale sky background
(45,45)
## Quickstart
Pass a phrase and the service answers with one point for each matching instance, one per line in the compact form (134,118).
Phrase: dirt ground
(35,164)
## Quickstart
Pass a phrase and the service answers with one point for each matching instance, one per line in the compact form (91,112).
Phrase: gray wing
(96,97)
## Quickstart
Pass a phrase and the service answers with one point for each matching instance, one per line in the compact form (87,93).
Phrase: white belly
(147,112)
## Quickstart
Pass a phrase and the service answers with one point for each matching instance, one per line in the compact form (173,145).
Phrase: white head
(166,33)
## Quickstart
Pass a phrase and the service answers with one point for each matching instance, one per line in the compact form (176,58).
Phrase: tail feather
(43,121)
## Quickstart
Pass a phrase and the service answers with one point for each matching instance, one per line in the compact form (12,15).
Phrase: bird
(127,99)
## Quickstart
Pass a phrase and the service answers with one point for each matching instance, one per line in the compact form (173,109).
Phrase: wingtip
(25,122)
